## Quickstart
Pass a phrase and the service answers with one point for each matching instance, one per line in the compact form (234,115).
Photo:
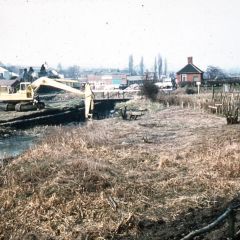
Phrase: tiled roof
(190,68)
(7,82)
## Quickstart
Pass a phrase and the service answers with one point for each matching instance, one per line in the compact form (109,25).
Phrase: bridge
(105,101)
(114,94)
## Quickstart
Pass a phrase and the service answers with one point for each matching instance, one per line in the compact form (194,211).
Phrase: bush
(186,84)
(150,90)
(190,91)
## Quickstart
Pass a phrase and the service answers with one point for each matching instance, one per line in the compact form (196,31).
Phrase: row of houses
(100,81)
(189,73)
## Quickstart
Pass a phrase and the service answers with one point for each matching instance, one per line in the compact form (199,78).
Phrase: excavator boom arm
(87,94)
(53,83)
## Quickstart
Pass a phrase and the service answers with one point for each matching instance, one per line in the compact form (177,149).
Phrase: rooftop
(134,78)
(7,82)
(190,68)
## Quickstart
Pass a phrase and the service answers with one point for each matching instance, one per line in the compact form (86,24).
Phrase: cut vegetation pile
(159,177)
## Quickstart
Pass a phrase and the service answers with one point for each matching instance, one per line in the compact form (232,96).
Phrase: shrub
(190,91)
(186,84)
(150,90)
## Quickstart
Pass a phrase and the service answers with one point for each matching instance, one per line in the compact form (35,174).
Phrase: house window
(184,77)
(195,78)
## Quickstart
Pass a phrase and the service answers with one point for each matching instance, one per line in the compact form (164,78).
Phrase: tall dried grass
(101,180)
(199,101)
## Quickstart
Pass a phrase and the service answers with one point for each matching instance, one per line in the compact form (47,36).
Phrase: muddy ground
(161,176)
(59,109)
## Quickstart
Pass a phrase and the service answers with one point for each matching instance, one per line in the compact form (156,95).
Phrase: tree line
(159,68)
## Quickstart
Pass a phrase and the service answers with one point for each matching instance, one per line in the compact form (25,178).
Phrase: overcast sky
(105,32)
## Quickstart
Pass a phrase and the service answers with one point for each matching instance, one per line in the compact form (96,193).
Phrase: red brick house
(190,73)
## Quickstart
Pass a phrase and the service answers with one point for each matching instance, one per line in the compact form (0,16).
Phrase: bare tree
(159,66)
(74,71)
(59,68)
(42,72)
(30,74)
(165,67)
(214,72)
(130,64)
(141,66)
(155,69)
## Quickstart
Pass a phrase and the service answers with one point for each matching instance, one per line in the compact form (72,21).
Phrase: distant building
(54,74)
(190,73)
(150,76)
(135,80)
(103,80)
(4,73)
(8,85)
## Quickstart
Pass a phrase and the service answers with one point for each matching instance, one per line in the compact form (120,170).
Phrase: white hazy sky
(105,32)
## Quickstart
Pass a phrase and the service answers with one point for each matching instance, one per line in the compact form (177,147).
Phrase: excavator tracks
(21,107)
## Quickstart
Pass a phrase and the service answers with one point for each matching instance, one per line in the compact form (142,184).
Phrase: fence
(225,104)
(115,94)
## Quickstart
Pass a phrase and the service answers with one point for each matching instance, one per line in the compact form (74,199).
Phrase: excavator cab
(25,88)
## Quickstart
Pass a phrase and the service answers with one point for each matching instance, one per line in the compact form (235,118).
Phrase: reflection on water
(15,145)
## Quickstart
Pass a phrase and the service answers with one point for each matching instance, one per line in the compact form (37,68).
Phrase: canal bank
(17,132)
(55,116)
(43,117)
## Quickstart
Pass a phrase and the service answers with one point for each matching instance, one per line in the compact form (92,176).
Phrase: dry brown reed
(106,179)
(195,101)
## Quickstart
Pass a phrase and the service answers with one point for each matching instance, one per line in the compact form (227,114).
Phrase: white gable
(2,70)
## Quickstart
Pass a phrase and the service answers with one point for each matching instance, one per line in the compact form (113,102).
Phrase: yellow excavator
(26,98)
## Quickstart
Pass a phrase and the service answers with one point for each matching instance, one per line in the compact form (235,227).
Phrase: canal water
(11,146)
(18,141)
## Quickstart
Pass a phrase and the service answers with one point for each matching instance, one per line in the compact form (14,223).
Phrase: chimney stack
(190,61)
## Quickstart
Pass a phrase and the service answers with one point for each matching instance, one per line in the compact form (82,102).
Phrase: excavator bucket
(89,104)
